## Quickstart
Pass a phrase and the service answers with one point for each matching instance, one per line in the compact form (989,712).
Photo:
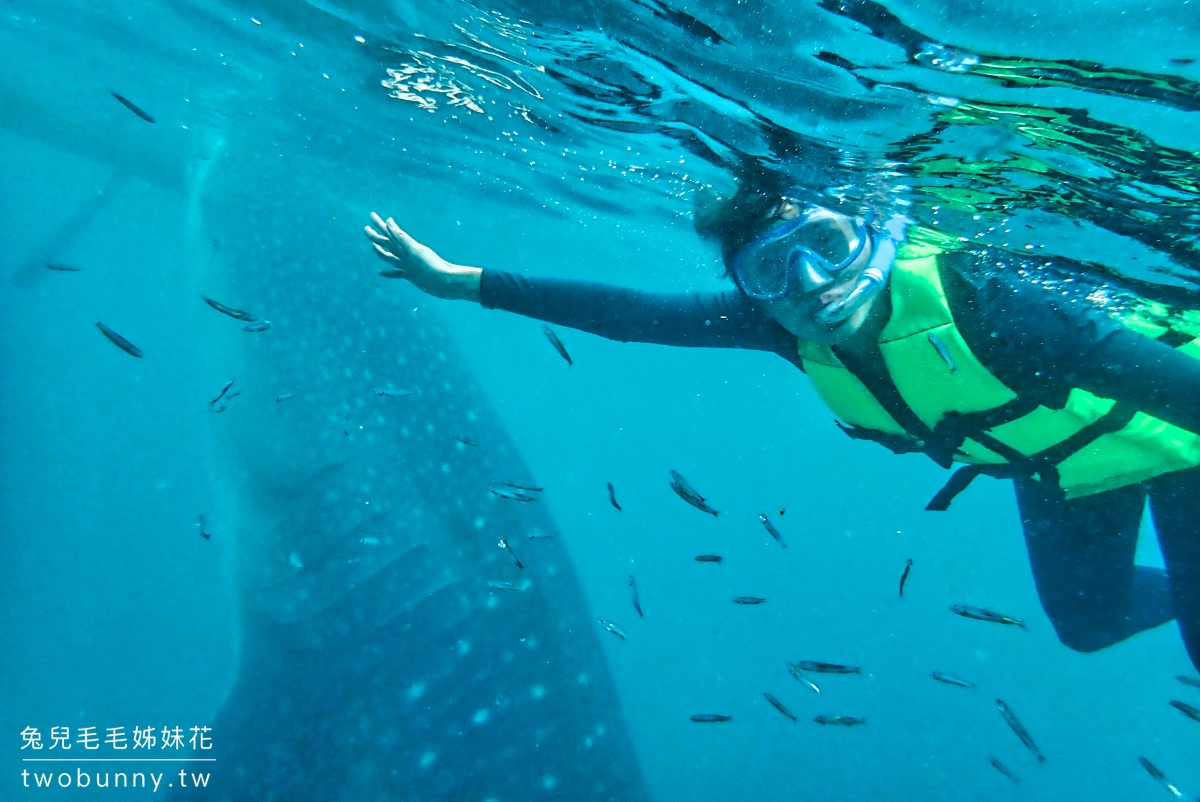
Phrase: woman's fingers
(400,237)
(410,260)
(407,257)
(388,256)
(387,232)
(390,249)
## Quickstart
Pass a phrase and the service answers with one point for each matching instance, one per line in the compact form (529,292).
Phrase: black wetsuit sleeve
(1040,341)
(699,320)
(1146,374)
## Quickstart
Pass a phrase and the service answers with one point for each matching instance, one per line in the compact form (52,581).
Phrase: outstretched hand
(428,272)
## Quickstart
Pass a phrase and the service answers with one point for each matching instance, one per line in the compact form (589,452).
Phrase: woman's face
(799,311)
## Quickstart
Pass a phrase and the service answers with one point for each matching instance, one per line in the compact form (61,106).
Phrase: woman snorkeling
(922,342)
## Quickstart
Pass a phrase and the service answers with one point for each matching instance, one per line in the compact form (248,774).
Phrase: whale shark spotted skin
(381,656)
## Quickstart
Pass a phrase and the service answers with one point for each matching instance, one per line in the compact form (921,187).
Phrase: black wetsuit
(1039,343)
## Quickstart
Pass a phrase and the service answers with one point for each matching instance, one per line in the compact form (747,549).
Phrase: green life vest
(939,398)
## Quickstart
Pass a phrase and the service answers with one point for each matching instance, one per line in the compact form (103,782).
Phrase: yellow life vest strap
(926,313)
(942,442)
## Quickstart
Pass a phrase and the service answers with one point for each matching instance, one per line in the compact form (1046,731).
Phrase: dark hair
(733,221)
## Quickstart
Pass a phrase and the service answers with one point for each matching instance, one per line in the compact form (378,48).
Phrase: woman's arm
(1146,374)
(709,320)
(1039,340)
(696,320)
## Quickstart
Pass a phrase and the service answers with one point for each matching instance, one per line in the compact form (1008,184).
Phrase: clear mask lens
(767,267)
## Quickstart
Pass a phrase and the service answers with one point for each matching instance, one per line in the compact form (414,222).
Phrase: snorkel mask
(811,250)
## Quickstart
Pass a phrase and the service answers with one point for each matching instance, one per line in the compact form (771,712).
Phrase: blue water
(563,140)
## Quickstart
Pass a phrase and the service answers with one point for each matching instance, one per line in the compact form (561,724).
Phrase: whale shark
(408,630)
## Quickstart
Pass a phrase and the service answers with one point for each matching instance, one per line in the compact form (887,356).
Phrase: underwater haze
(331,578)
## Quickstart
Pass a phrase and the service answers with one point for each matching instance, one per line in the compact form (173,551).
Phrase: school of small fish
(526,492)
(801,670)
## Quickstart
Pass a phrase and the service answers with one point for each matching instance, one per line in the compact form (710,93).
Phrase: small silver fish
(516,560)
(1195,683)
(942,351)
(466,441)
(119,341)
(557,343)
(771,530)
(392,392)
(519,587)
(369,541)
(980,614)
(204,533)
(284,396)
(257,326)
(525,487)
(1003,769)
(225,309)
(708,558)
(688,494)
(684,485)
(512,493)
(541,535)
(61,268)
(799,675)
(748,600)
(778,705)
(637,602)
(1157,774)
(129,105)
(1010,718)
(1188,710)
(613,628)
(904,575)
(817,667)
(695,502)
(710,718)
(612,497)
(843,721)
(221,394)
(950,679)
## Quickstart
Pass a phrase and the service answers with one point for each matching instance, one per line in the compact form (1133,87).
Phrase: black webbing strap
(943,441)
(881,387)
(1114,420)
(1017,464)
(956,484)
(895,443)
(970,422)
(959,480)
(1042,465)
(1023,464)
(956,427)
